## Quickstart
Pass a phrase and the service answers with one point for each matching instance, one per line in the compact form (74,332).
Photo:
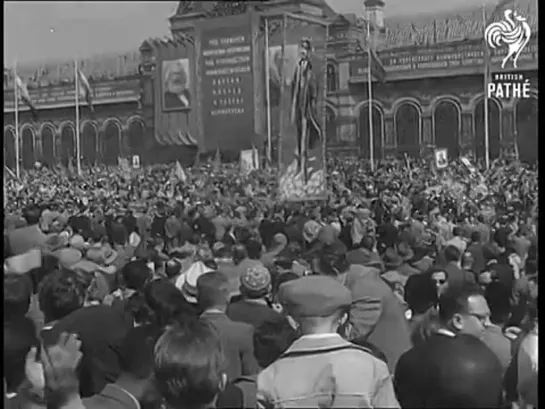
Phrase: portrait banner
(176,83)
(227,87)
(297,71)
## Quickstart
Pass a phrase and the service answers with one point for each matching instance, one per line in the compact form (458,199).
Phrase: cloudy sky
(34,31)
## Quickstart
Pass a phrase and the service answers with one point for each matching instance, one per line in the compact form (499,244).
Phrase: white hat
(187,282)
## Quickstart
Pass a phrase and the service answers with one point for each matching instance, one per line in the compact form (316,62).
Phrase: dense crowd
(407,286)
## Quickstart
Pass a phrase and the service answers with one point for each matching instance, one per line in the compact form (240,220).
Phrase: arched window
(112,143)
(28,151)
(48,145)
(446,119)
(408,125)
(135,136)
(89,140)
(364,132)
(332,77)
(330,126)
(526,129)
(494,130)
(68,144)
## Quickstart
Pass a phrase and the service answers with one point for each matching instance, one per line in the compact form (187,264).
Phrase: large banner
(227,87)
(176,94)
(297,61)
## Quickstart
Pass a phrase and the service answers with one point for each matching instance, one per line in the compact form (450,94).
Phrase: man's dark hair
(167,303)
(475,237)
(188,365)
(368,242)
(136,274)
(498,299)
(456,231)
(272,339)
(60,293)
(278,280)
(452,254)
(253,247)
(239,252)
(172,268)
(17,293)
(136,354)
(212,289)
(32,215)
(455,301)
(420,293)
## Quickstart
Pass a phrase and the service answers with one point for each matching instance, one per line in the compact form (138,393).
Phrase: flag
(197,163)
(85,90)
(498,10)
(22,91)
(377,68)
(375,64)
(179,173)
(217,159)
(70,168)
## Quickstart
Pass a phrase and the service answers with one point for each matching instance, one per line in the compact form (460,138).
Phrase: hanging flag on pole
(25,96)
(217,160)
(179,173)
(85,90)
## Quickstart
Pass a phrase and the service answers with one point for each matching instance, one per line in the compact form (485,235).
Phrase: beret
(255,279)
(314,296)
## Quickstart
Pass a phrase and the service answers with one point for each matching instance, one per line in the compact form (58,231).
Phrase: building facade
(433,93)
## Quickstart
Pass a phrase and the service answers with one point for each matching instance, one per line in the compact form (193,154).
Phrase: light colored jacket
(326,371)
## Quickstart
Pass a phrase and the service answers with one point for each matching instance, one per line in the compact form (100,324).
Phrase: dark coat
(444,371)
(457,277)
(237,341)
(101,330)
(111,397)
(377,315)
(252,313)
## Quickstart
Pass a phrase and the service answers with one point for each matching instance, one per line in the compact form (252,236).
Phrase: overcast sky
(35,31)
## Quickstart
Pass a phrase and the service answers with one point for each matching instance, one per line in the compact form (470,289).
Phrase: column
(427,131)
(467,138)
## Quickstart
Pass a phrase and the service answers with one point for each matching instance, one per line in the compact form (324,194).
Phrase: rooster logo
(513,31)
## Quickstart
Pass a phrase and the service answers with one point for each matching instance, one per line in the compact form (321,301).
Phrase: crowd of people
(407,286)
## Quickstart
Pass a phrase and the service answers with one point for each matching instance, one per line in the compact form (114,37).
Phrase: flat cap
(314,296)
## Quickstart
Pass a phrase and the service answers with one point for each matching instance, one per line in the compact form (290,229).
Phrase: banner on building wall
(420,58)
(227,85)
(297,72)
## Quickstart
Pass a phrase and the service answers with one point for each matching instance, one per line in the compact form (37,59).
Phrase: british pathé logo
(514,31)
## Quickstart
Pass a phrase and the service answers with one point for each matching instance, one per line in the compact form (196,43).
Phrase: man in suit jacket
(474,375)
(135,387)
(456,277)
(376,314)
(237,338)
(29,237)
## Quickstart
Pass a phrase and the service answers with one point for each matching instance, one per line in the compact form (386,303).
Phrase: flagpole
(78,153)
(16,95)
(370,94)
(268,94)
(486,58)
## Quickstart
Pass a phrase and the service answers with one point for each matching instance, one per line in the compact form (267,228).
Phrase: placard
(227,85)
(441,158)
(136,161)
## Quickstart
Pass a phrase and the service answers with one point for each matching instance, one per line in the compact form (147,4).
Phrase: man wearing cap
(253,308)
(321,369)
